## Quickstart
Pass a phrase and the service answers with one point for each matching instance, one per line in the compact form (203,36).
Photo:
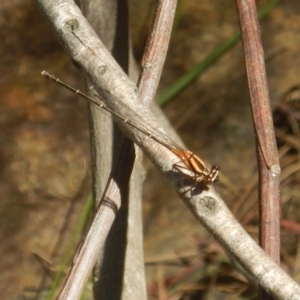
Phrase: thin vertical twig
(123,248)
(268,160)
(156,49)
(155,53)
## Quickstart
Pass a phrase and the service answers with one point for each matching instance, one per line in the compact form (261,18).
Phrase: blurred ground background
(44,152)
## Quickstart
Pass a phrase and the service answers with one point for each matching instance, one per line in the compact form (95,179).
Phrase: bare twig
(156,49)
(268,160)
(120,94)
(123,250)
(262,115)
(256,73)
(131,282)
(88,251)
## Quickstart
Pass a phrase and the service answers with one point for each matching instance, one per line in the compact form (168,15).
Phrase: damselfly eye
(214,173)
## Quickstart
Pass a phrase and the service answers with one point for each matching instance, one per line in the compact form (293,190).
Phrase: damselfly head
(213,176)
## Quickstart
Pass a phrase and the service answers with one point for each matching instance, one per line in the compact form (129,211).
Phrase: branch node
(102,69)
(148,65)
(275,170)
(72,23)
(207,205)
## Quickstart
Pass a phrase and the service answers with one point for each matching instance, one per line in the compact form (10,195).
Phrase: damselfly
(191,161)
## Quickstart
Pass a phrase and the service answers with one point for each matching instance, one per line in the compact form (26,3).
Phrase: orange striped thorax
(195,164)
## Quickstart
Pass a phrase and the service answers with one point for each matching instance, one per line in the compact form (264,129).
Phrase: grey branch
(120,94)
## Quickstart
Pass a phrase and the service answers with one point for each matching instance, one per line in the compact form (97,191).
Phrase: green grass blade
(71,247)
(217,53)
